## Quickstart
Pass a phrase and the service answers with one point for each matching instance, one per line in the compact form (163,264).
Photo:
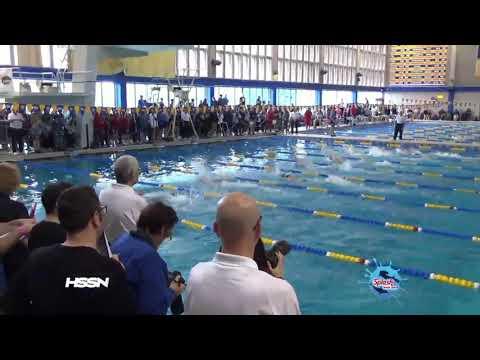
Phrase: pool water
(463,132)
(323,285)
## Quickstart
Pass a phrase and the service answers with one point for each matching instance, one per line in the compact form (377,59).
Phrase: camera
(177,306)
(173,274)
(282,246)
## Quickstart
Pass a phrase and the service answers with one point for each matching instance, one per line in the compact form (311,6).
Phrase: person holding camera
(245,289)
(154,287)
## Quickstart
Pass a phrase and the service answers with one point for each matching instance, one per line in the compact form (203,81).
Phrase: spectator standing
(142,103)
(16,130)
(36,131)
(85,127)
(308,119)
(124,204)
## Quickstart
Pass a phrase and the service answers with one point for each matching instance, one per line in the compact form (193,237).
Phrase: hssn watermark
(84,282)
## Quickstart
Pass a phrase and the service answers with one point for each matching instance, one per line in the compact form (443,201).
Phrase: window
(181,62)
(5,58)
(131,98)
(192,62)
(60,58)
(46,56)
(280,70)
(246,68)
(203,64)
(105,94)
(268,71)
(287,70)
(228,66)
(293,71)
(305,97)
(287,52)
(261,69)
(269,50)
(261,50)
(220,57)
(254,49)
(280,51)
(98,93)
(253,68)
(246,49)
(237,67)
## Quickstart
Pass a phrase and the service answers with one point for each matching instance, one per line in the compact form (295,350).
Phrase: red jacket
(354,110)
(308,117)
(115,121)
(124,123)
(98,122)
(270,116)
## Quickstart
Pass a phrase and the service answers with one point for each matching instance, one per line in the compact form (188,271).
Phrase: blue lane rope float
(321,213)
(420,274)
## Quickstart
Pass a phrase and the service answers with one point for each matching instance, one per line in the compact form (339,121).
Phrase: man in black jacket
(73,278)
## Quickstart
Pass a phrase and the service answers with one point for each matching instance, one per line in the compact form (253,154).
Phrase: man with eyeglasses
(232,284)
(72,278)
(155,290)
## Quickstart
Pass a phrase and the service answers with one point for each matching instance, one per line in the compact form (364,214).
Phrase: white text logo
(84,282)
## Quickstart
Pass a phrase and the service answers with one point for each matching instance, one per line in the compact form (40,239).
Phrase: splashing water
(345,166)
(383,163)
(378,152)
(337,180)
(448,155)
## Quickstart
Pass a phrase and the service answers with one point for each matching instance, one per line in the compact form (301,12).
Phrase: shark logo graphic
(384,280)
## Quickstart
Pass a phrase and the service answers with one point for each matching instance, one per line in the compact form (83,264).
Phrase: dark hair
(51,194)
(76,206)
(156,216)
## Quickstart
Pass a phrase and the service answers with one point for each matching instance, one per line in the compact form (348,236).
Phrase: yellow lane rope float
(440,206)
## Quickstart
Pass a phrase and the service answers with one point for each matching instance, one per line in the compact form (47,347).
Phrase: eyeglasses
(102,210)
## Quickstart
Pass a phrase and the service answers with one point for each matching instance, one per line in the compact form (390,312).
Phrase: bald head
(237,222)
(126,170)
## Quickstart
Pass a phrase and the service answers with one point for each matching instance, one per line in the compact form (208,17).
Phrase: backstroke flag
(477,67)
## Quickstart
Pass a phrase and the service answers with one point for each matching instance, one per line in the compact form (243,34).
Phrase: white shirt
(152,121)
(185,116)
(399,119)
(17,120)
(124,206)
(233,285)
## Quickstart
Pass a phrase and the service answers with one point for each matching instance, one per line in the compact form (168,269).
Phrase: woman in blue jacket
(147,272)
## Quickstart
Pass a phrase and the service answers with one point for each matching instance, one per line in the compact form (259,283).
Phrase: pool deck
(303,134)
(119,149)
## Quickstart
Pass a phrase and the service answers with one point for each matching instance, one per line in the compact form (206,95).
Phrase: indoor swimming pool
(419,210)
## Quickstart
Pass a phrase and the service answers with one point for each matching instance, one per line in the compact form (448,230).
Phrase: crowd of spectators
(54,128)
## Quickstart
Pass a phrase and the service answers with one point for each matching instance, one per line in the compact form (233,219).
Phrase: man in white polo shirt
(232,284)
(16,130)
(123,204)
